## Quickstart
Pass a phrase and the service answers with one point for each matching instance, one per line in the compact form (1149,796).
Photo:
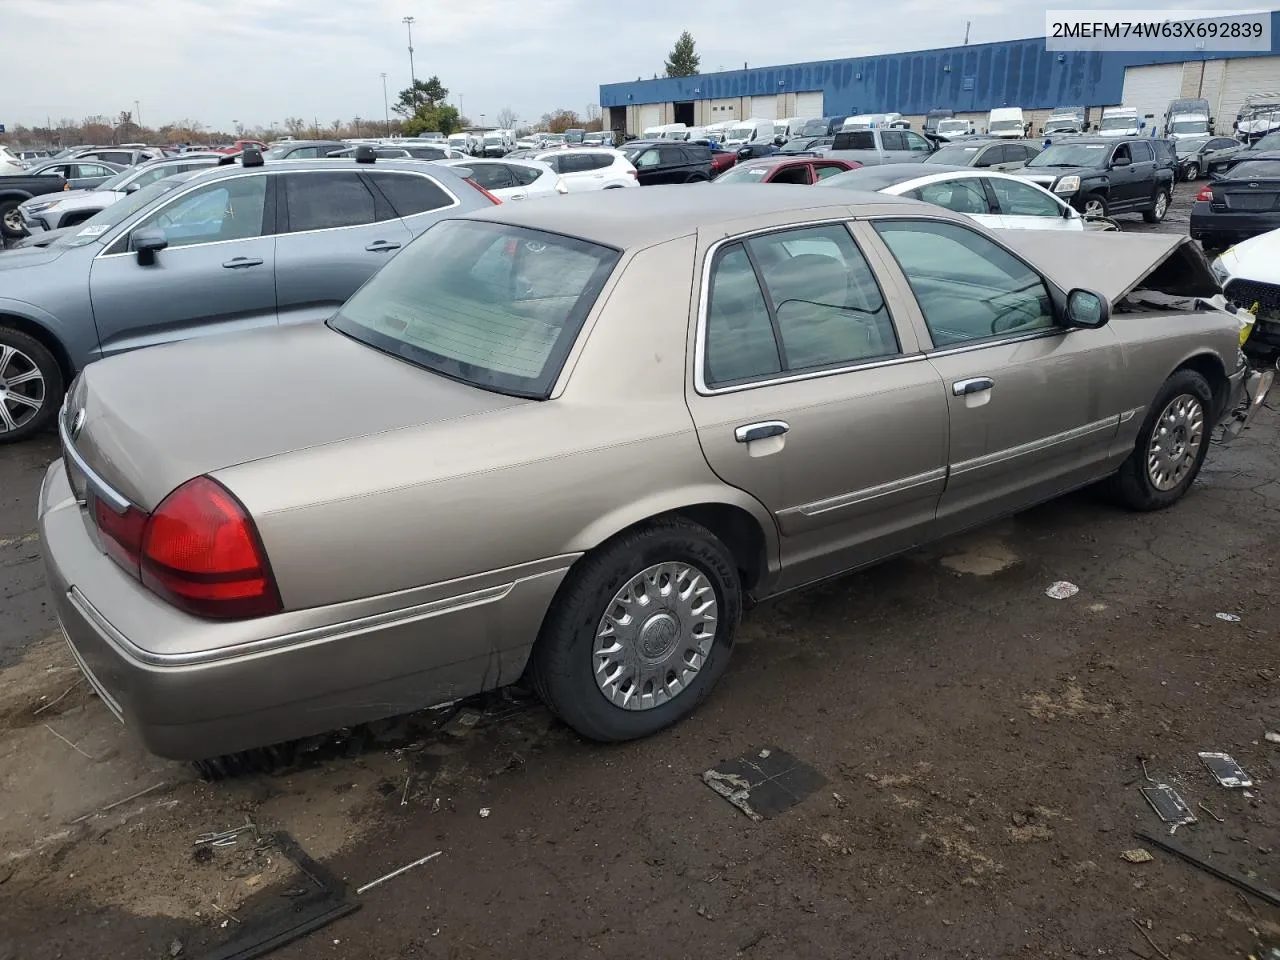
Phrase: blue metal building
(974,78)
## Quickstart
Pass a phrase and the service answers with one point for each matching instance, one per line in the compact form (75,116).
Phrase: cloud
(259,61)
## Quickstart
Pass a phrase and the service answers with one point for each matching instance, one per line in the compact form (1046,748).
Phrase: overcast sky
(259,61)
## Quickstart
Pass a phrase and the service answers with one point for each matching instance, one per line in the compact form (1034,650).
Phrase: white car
(584,169)
(993,199)
(1250,274)
(510,179)
(9,163)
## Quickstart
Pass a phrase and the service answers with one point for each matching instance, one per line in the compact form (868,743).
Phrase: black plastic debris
(764,783)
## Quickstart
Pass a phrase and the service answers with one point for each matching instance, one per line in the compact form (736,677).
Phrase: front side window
(823,171)
(968,287)
(224,210)
(893,139)
(915,142)
(489,304)
(325,201)
(803,299)
(1122,154)
(1023,200)
(648,158)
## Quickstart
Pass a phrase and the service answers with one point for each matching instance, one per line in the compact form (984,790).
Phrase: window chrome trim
(1054,331)
(866,494)
(104,491)
(293,233)
(1034,446)
(704,296)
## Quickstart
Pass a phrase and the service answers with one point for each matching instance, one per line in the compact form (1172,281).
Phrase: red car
(239,145)
(780,168)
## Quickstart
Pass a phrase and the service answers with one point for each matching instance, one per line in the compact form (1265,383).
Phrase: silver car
(579,438)
(208,251)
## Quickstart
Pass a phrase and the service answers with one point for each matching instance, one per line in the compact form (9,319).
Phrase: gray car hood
(157,417)
(1112,263)
(20,257)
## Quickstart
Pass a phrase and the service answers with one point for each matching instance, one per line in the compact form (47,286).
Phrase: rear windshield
(489,304)
(1118,123)
(743,173)
(954,156)
(1256,170)
(1071,155)
(1270,142)
(854,140)
(1189,126)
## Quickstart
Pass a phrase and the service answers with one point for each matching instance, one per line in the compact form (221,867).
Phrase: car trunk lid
(1247,195)
(145,422)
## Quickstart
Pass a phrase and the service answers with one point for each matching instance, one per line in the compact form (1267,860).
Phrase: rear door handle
(379,246)
(236,263)
(760,431)
(963,388)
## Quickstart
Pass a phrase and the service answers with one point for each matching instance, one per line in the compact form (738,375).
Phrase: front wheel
(1159,207)
(640,632)
(1192,172)
(1094,206)
(1171,445)
(11,227)
(30,386)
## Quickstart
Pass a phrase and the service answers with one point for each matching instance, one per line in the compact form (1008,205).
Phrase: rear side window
(491,176)
(489,304)
(409,193)
(325,201)
(854,140)
(1141,151)
(575,163)
(524,176)
(554,163)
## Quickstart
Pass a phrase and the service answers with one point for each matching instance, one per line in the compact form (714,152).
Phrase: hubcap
(1175,442)
(655,635)
(21,388)
(13,220)
(1162,204)
(1193,171)
(1093,209)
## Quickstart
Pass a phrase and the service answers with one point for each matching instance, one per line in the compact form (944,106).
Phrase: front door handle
(760,431)
(380,246)
(962,388)
(236,263)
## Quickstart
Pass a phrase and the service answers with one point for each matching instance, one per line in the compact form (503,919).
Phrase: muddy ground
(974,744)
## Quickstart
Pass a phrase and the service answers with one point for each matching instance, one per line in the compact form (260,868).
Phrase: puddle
(980,558)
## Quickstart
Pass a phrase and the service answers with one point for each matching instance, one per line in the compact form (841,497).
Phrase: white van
(666,131)
(1007,122)
(869,121)
(789,127)
(466,142)
(949,127)
(1120,122)
(755,130)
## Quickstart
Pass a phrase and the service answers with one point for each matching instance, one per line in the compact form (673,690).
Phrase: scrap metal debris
(764,783)
(1228,617)
(1244,883)
(1210,812)
(1170,807)
(1061,590)
(1225,770)
(1272,737)
(226,838)
(395,873)
(1137,855)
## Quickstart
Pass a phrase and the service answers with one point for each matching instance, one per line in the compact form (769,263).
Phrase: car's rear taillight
(201,552)
(1206,193)
(494,199)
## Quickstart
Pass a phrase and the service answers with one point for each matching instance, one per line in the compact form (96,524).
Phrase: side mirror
(147,243)
(1087,309)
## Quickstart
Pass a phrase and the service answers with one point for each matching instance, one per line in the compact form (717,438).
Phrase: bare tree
(296,126)
(507,118)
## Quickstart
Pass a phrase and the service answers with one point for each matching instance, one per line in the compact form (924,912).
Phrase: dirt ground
(975,747)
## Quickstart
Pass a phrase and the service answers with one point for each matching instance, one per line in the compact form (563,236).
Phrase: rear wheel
(640,632)
(11,227)
(30,386)
(1171,445)
(1159,207)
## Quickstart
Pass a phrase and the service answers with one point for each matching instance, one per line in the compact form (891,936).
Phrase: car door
(1143,169)
(217,273)
(334,234)
(1034,406)
(1123,193)
(1022,206)
(962,195)
(811,395)
(917,146)
(894,143)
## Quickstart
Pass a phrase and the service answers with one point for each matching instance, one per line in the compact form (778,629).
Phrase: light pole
(357,128)
(413,77)
(386,111)
(137,116)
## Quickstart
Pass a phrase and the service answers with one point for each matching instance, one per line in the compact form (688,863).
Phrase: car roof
(631,219)
(337,163)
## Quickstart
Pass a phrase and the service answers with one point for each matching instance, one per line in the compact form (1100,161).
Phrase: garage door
(1245,76)
(1149,89)
(764,108)
(650,115)
(809,104)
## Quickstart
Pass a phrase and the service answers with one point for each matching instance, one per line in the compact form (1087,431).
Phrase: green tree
(683,61)
(442,118)
(424,93)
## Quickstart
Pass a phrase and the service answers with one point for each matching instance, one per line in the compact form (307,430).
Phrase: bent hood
(1113,264)
(1257,259)
(157,417)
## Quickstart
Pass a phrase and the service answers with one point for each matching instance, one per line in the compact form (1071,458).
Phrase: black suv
(663,161)
(1106,176)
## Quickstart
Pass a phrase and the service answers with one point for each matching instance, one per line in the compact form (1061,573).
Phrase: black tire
(31,354)
(8,210)
(1192,172)
(1132,484)
(1103,209)
(562,661)
(1159,206)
